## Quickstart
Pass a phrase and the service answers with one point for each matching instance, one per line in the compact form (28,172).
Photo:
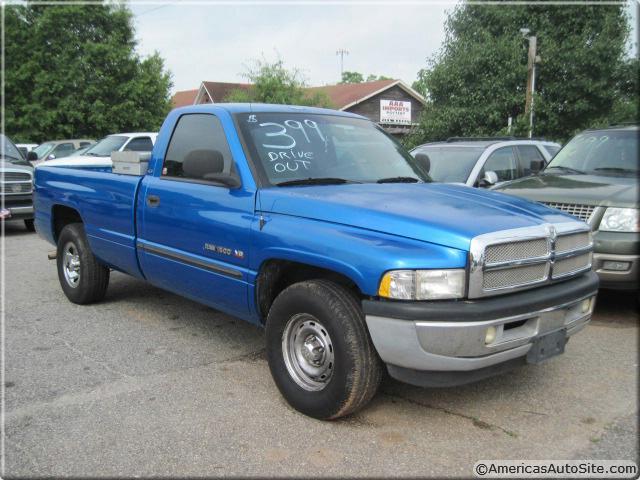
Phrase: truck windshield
(299,148)
(611,153)
(10,152)
(450,164)
(104,147)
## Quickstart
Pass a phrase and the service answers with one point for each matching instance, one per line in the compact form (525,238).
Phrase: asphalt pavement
(147,383)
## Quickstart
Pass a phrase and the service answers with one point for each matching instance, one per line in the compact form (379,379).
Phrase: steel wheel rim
(71,264)
(308,352)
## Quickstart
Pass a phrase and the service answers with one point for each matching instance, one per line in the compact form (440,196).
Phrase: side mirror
(32,156)
(208,165)
(424,161)
(490,178)
(536,165)
(51,157)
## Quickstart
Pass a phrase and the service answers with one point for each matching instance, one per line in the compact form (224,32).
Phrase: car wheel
(30,225)
(319,350)
(82,278)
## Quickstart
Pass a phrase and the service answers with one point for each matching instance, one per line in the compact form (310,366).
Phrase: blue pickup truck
(320,227)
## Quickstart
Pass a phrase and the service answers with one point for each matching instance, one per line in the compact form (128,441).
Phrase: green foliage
(273,83)
(357,77)
(352,77)
(71,72)
(478,79)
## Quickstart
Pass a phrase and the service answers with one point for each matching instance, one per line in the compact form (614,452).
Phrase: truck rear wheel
(319,350)
(82,278)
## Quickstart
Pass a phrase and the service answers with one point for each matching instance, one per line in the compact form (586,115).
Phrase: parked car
(56,149)
(98,157)
(321,227)
(484,162)
(595,178)
(16,184)
(26,148)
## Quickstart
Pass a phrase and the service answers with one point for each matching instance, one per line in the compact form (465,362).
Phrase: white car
(99,155)
(26,148)
(484,162)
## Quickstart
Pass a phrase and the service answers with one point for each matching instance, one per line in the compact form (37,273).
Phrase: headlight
(422,284)
(620,220)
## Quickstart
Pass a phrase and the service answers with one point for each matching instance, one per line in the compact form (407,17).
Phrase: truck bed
(106,203)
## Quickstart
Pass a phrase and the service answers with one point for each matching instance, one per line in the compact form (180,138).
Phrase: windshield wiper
(398,180)
(315,181)
(566,169)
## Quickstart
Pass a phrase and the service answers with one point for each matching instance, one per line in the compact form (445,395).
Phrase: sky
(219,42)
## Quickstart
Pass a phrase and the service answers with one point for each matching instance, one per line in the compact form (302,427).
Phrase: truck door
(193,233)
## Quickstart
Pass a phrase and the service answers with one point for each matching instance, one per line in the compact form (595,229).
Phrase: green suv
(595,178)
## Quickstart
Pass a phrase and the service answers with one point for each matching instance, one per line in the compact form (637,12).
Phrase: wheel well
(63,216)
(276,275)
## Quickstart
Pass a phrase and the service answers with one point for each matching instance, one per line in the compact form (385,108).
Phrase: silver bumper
(462,346)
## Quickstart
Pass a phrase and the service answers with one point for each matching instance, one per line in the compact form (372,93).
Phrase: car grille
(15,183)
(510,260)
(583,212)
(15,177)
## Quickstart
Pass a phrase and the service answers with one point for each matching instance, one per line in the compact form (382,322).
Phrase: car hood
(15,166)
(448,215)
(595,190)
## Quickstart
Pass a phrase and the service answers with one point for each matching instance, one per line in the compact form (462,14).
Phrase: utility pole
(532,58)
(342,52)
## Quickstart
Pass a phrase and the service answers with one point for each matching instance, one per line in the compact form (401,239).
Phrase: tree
(352,77)
(273,83)
(72,71)
(478,78)
(357,77)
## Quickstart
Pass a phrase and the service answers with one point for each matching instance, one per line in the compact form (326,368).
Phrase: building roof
(184,97)
(342,95)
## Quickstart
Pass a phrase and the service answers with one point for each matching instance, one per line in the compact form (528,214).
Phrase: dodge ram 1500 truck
(319,226)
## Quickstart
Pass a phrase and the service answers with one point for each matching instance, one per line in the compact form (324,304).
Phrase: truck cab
(320,227)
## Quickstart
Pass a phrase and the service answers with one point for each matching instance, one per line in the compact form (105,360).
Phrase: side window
(552,149)
(140,144)
(531,160)
(199,139)
(503,162)
(63,150)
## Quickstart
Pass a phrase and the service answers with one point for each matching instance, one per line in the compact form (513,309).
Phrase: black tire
(30,225)
(93,277)
(357,369)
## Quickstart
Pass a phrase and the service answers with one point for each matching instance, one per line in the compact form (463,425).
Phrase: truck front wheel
(82,278)
(319,350)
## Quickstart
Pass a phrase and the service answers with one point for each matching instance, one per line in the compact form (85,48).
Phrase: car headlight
(422,284)
(620,220)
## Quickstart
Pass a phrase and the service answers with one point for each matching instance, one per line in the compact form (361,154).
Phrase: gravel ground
(147,383)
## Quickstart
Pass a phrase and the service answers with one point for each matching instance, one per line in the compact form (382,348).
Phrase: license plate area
(547,346)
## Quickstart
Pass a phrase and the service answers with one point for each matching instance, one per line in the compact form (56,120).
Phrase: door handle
(153,201)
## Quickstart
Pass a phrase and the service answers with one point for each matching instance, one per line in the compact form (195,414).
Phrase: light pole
(342,52)
(532,58)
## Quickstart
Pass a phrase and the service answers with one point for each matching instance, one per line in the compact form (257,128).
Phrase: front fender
(361,255)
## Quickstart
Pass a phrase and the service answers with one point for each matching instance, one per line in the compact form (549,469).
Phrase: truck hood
(7,165)
(595,190)
(448,215)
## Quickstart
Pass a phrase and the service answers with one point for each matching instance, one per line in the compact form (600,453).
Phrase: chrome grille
(568,265)
(15,177)
(515,276)
(565,243)
(516,251)
(15,188)
(510,260)
(583,212)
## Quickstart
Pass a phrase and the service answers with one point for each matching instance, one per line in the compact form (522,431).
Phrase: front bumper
(20,206)
(444,343)
(616,259)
